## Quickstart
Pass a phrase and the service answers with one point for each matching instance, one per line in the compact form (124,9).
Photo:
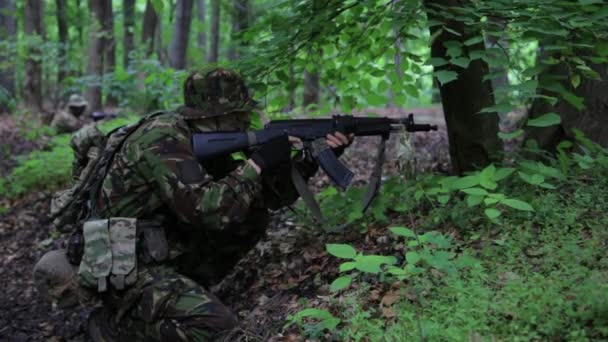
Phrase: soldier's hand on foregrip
(273,153)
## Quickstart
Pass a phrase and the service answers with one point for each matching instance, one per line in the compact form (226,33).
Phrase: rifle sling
(306,194)
(376,177)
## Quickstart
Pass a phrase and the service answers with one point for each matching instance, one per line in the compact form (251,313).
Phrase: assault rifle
(312,133)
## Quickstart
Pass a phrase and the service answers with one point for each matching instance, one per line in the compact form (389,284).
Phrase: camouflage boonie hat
(77,100)
(215,92)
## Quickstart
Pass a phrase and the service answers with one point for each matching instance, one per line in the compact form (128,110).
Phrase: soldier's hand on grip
(273,153)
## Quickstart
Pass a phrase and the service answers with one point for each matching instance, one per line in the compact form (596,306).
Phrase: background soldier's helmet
(56,279)
(77,100)
(215,92)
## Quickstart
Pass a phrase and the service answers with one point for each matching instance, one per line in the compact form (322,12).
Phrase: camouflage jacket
(214,213)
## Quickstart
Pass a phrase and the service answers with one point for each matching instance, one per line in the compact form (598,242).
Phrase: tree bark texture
(240,22)
(32,92)
(472,136)
(128,39)
(215,31)
(311,79)
(80,17)
(8,30)
(311,88)
(97,9)
(109,46)
(178,49)
(591,120)
(149,27)
(62,30)
(202,31)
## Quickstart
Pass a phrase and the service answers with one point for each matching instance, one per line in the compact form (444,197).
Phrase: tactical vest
(104,248)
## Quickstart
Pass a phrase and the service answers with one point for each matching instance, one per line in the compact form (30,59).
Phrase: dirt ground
(289,265)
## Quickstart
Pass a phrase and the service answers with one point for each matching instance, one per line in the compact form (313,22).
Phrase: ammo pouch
(111,249)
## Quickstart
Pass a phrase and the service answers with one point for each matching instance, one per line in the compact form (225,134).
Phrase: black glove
(273,153)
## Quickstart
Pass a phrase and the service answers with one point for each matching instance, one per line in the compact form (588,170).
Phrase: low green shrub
(514,253)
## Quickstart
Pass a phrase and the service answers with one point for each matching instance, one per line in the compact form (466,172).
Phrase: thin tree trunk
(149,28)
(128,12)
(8,30)
(62,29)
(161,52)
(472,136)
(178,49)
(80,28)
(215,31)
(202,32)
(311,79)
(109,46)
(95,52)
(240,22)
(311,88)
(33,69)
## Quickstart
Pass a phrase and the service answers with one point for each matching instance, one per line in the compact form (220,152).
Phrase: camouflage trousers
(164,305)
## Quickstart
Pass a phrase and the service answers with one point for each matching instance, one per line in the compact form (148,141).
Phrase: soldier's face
(77,110)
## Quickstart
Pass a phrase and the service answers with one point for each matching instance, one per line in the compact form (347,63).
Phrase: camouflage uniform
(68,120)
(212,215)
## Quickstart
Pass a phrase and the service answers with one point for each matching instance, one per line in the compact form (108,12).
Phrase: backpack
(93,154)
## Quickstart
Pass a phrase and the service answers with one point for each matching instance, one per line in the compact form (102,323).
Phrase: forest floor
(289,265)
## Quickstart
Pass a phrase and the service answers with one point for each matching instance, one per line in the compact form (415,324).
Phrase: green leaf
(546,120)
(512,135)
(372,263)
(341,251)
(443,199)
(502,173)
(473,41)
(475,191)
(347,266)
(445,76)
(412,257)
(575,80)
(548,186)
(474,200)
(402,231)
(462,62)
(492,213)
(465,182)
(517,204)
(437,61)
(397,271)
(534,179)
(340,283)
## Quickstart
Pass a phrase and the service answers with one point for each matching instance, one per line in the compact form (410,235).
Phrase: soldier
(193,221)
(68,121)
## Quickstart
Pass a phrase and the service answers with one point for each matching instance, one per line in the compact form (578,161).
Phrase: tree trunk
(8,31)
(62,29)
(472,136)
(128,12)
(311,79)
(149,28)
(215,31)
(109,46)
(240,22)
(591,120)
(33,21)
(95,52)
(311,89)
(202,33)
(181,31)
(80,17)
